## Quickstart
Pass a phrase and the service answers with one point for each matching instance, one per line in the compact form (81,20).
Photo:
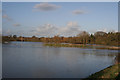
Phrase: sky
(58,18)
(60,0)
(0,18)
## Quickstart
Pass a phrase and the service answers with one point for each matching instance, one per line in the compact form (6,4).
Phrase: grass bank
(67,45)
(112,72)
(82,46)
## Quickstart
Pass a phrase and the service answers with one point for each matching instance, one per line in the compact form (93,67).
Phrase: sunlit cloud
(78,12)
(45,7)
(7,32)
(17,25)
(0,10)
(45,30)
(0,31)
(5,16)
(71,29)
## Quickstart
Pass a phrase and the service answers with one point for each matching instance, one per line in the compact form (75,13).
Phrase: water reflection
(32,60)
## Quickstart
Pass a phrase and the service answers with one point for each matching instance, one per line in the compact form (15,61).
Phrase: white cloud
(45,7)
(17,25)
(77,12)
(0,31)
(5,16)
(71,29)
(7,32)
(45,30)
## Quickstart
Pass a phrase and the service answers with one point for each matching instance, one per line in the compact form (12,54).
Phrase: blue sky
(58,18)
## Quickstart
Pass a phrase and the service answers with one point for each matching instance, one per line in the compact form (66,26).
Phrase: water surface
(33,60)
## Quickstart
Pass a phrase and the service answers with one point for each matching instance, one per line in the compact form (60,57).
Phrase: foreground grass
(112,72)
(81,46)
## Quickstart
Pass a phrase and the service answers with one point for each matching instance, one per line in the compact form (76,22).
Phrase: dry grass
(82,46)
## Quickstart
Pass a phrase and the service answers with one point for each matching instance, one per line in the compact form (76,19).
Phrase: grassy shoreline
(111,72)
(82,46)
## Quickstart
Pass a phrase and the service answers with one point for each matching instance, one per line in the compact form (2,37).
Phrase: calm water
(32,60)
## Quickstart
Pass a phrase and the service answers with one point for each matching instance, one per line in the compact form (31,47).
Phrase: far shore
(83,46)
(93,46)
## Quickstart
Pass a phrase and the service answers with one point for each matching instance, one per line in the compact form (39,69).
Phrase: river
(33,60)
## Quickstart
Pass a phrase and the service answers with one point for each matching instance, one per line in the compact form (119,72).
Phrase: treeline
(110,38)
(20,38)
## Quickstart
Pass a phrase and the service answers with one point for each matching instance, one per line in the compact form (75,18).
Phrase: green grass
(66,45)
(111,72)
(78,46)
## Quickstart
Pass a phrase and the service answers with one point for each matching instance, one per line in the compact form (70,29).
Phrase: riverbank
(112,72)
(83,46)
